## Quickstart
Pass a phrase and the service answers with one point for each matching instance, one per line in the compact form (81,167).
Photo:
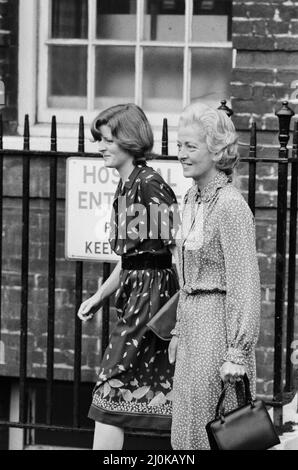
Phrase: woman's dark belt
(146,261)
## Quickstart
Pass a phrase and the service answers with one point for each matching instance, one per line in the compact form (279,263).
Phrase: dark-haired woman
(135,378)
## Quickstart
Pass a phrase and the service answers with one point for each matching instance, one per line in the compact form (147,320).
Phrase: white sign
(90,189)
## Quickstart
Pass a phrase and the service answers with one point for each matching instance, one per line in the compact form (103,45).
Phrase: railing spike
(223,107)
(26,133)
(165,138)
(284,115)
(252,168)
(54,135)
(81,146)
(253,137)
(295,139)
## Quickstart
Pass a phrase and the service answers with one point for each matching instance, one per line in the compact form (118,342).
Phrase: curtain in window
(70,19)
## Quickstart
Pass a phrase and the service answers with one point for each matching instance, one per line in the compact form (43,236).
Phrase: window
(160,54)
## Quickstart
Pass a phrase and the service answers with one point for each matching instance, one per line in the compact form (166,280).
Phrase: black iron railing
(283,379)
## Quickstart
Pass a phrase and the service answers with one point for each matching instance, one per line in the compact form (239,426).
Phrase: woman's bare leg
(107,437)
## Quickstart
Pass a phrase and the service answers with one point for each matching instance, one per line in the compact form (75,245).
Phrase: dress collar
(133,175)
(219,181)
(130,180)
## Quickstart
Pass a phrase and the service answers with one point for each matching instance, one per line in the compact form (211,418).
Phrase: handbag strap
(220,405)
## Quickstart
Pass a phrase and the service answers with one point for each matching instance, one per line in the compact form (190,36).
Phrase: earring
(217,157)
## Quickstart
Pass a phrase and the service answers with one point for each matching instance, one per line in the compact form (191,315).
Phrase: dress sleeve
(163,211)
(176,330)
(237,237)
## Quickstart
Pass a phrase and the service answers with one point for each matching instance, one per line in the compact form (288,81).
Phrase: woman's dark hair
(130,129)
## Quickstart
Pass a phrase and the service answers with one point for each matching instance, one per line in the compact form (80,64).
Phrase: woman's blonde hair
(218,131)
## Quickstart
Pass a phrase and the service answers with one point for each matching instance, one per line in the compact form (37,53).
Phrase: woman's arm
(111,284)
(174,251)
(174,332)
(172,350)
(91,305)
(237,236)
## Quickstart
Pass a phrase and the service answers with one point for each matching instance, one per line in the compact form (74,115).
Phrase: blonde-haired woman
(219,305)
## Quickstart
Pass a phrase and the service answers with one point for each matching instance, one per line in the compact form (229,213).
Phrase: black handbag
(248,427)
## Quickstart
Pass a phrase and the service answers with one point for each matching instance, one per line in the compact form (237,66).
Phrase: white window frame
(33,62)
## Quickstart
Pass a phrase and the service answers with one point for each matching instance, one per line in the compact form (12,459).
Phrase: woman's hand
(173,349)
(230,372)
(89,307)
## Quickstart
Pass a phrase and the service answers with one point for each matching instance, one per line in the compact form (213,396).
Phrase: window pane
(211,70)
(116,19)
(211,20)
(70,19)
(114,75)
(163,79)
(67,83)
(164,20)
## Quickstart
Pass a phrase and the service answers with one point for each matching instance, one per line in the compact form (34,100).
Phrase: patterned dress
(219,306)
(134,387)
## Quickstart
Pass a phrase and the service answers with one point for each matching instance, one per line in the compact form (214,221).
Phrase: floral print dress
(134,387)
(219,306)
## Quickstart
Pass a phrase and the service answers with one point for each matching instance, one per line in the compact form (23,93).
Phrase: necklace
(197,200)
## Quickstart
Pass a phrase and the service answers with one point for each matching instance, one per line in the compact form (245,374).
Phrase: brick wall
(9,61)
(265,35)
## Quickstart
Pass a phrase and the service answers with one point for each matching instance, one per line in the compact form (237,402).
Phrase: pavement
(288,440)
